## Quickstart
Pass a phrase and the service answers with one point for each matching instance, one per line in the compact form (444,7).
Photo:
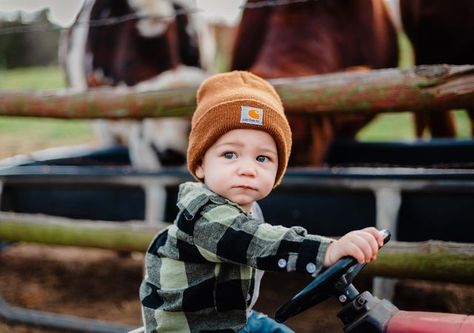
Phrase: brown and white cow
(148,45)
(441,32)
(315,37)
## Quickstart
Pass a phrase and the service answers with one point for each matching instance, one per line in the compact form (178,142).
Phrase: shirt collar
(193,195)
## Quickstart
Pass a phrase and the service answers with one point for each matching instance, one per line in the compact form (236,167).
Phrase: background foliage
(32,43)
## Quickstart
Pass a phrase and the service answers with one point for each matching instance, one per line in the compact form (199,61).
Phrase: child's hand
(363,245)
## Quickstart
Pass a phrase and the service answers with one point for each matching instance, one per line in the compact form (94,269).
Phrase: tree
(34,43)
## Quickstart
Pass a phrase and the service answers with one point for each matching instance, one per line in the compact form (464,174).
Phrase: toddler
(203,272)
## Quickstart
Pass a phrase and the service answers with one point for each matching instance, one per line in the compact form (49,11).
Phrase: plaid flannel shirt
(200,271)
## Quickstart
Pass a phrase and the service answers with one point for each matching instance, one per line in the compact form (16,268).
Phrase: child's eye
(230,155)
(263,158)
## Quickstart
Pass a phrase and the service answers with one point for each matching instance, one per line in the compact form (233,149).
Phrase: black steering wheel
(336,280)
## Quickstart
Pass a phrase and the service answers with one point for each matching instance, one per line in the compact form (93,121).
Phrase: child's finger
(376,233)
(366,243)
(356,252)
(371,241)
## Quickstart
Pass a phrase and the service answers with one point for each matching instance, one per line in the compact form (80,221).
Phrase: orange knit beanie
(237,100)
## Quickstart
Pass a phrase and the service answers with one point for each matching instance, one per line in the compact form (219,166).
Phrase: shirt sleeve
(225,234)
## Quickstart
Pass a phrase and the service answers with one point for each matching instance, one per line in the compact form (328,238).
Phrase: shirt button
(311,268)
(282,263)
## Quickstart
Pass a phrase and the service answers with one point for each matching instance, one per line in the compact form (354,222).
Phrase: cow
(441,33)
(147,45)
(304,38)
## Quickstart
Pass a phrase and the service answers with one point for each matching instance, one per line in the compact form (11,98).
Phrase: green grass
(55,129)
(406,56)
(463,124)
(35,78)
(387,127)
(400,126)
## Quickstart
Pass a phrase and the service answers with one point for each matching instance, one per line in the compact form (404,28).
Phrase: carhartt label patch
(251,115)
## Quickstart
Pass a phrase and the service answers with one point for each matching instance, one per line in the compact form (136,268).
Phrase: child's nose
(247,168)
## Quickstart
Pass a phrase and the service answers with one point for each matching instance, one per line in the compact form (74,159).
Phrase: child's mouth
(246,187)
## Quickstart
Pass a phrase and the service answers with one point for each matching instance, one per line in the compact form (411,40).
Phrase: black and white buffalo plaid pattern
(200,271)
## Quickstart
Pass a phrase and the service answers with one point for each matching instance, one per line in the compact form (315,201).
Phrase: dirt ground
(103,285)
(89,283)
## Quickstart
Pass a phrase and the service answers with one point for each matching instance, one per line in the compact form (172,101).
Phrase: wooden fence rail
(431,260)
(429,88)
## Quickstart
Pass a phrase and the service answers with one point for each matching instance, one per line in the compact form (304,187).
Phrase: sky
(63,12)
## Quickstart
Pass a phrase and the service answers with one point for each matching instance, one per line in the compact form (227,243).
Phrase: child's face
(241,166)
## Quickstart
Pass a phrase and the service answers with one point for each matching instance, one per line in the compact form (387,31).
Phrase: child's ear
(200,171)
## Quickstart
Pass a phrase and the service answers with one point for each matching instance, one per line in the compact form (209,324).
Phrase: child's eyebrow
(232,144)
(269,152)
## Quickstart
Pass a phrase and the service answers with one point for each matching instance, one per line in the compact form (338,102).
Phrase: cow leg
(348,125)
(322,135)
(471,120)
(442,124)
(311,137)
(421,122)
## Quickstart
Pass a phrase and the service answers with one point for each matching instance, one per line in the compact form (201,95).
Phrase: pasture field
(19,135)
